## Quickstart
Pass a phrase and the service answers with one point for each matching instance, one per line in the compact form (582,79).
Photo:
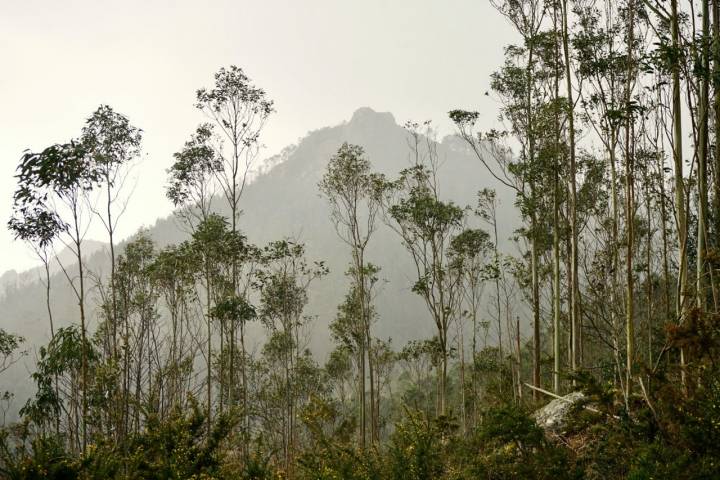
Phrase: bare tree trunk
(575,316)
(536,307)
(716,108)
(681,301)
(663,226)
(629,210)
(461,349)
(519,358)
(648,272)
(702,156)
(556,219)
(533,230)
(208,300)
(83,324)
(361,399)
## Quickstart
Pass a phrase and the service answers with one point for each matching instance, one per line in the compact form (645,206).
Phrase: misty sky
(319,60)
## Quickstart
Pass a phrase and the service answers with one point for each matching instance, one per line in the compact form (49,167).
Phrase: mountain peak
(366,115)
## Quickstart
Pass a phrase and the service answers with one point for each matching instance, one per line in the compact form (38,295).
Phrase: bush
(510,445)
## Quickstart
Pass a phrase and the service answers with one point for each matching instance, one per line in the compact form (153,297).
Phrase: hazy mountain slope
(283,202)
(286,202)
(11,280)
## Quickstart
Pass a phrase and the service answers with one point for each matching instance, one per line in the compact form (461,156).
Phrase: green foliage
(36,224)
(675,435)
(62,358)
(179,447)
(232,86)
(110,141)
(330,454)
(509,444)
(42,458)
(9,344)
(272,411)
(192,169)
(418,448)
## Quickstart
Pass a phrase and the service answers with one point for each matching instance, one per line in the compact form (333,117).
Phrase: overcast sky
(319,60)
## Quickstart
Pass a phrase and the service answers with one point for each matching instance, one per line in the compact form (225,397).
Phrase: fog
(319,61)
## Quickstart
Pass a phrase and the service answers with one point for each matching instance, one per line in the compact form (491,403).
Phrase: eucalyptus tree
(173,272)
(522,84)
(556,153)
(675,59)
(39,227)
(190,189)
(190,177)
(349,331)
(505,287)
(630,111)
(111,143)
(417,359)
(715,72)
(575,313)
(58,377)
(354,193)
(10,351)
(54,183)
(469,252)
(702,153)
(516,82)
(137,296)
(426,225)
(384,359)
(10,354)
(238,111)
(284,282)
(340,370)
(229,311)
(233,251)
(600,65)
(210,245)
(512,175)
(487,211)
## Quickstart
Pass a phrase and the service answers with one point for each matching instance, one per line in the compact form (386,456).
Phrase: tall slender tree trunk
(496,254)
(536,307)
(681,300)
(648,271)
(374,430)
(366,314)
(443,372)
(48,306)
(361,399)
(461,350)
(518,352)
(208,300)
(534,267)
(702,156)
(664,231)
(113,295)
(556,215)
(575,316)
(630,207)
(716,111)
(83,323)
(556,290)
(243,373)
(614,256)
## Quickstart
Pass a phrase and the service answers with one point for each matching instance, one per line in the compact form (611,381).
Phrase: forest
(586,348)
